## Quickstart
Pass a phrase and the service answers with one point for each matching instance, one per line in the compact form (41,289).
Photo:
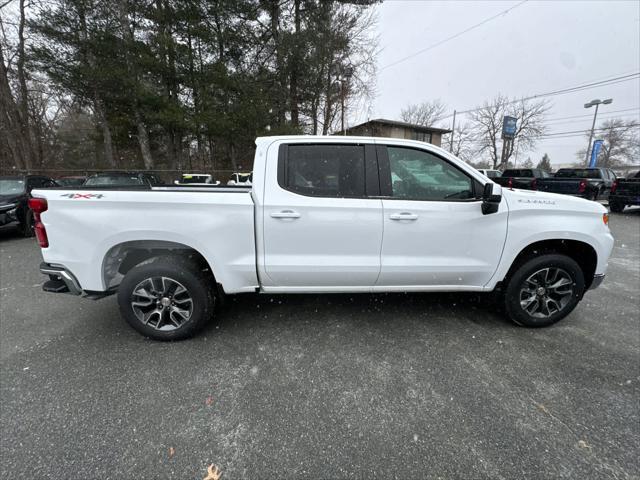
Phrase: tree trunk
(11,123)
(23,101)
(295,65)
(143,140)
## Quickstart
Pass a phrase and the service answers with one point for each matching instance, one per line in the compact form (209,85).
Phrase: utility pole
(597,103)
(453,131)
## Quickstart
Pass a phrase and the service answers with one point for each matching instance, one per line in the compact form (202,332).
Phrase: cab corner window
(420,175)
(324,170)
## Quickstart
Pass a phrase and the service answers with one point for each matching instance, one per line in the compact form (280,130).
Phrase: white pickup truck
(324,214)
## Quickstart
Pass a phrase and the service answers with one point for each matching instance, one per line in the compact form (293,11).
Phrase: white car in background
(197,179)
(243,179)
(490,173)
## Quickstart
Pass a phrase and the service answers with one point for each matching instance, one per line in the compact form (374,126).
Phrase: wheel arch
(122,257)
(581,252)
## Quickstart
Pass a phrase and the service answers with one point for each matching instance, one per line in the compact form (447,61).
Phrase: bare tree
(621,142)
(487,126)
(425,113)
(463,142)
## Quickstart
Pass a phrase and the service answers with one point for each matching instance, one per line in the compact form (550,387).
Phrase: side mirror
(491,198)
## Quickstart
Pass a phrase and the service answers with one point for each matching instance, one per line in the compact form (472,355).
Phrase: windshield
(9,186)
(119,180)
(577,173)
(70,182)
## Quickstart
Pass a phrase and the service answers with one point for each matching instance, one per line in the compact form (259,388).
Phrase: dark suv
(14,195)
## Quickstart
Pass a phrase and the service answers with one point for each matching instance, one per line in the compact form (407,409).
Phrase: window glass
(514,172)
(325,170)
(421,136)
(419,175)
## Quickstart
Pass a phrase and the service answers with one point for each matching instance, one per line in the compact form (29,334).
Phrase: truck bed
(217,221)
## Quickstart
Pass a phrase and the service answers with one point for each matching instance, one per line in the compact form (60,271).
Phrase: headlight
(9,206)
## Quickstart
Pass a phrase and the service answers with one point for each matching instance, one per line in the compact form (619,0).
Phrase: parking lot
(337,386)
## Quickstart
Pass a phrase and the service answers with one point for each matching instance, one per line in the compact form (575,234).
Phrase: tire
(167,298)
(531,306)
(26,225)
(616,207)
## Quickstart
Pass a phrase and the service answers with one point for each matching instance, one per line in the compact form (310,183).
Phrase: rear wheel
(616,207)
(167,298)
(544,290)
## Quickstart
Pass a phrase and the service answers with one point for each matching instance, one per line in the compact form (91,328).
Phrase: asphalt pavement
(336,386)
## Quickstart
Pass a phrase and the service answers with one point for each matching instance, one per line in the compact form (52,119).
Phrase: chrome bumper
(60,280)
(597,281)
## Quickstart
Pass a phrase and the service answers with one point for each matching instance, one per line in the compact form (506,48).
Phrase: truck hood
(532,199)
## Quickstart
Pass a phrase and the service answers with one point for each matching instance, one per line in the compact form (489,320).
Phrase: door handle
(285,214)
(403,216)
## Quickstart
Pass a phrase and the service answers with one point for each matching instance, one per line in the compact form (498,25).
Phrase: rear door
(435,234)
(322,228)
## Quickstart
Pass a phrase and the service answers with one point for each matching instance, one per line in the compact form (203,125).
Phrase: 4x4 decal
(87,196)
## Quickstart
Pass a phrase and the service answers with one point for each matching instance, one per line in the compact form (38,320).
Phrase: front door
(435,234)
(321,231)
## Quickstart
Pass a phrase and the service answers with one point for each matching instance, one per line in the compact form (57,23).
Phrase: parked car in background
(625,192)
(241,179)
(14,196)
(326,214)
(524,178)
(589,183)
(196,179)
(122,179)
(71,181)
(490,173)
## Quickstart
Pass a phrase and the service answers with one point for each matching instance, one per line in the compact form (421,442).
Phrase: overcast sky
(537,47)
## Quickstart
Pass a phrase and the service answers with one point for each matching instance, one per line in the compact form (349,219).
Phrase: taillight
(582,187)
(614,187)
(510,183)
(37,206)
(534,184)
(605,218)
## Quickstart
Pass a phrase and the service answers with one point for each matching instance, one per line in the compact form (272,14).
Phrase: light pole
(597,103)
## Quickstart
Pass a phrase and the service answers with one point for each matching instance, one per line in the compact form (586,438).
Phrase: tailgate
(559,185)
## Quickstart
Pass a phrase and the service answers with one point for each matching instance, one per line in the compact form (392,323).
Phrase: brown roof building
(381,127)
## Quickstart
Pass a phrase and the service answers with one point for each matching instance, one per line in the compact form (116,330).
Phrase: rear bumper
(598,278)
(60,280)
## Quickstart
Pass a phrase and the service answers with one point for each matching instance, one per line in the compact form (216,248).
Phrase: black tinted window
(325,170)
(518,173)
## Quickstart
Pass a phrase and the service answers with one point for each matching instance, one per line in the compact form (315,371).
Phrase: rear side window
(323,170)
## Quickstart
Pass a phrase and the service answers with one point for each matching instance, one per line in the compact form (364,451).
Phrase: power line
(577,88)
(588,115)
(608,116)
(582,132)
(437,44)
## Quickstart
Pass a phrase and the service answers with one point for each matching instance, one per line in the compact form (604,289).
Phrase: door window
(420,175)
(323,170)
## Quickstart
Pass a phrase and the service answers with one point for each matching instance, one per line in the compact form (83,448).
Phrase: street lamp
(597,103)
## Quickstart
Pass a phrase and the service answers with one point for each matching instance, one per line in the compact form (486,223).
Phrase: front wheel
(168,298)
(544,290)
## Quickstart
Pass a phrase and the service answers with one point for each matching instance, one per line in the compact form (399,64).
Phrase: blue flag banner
(595,150)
